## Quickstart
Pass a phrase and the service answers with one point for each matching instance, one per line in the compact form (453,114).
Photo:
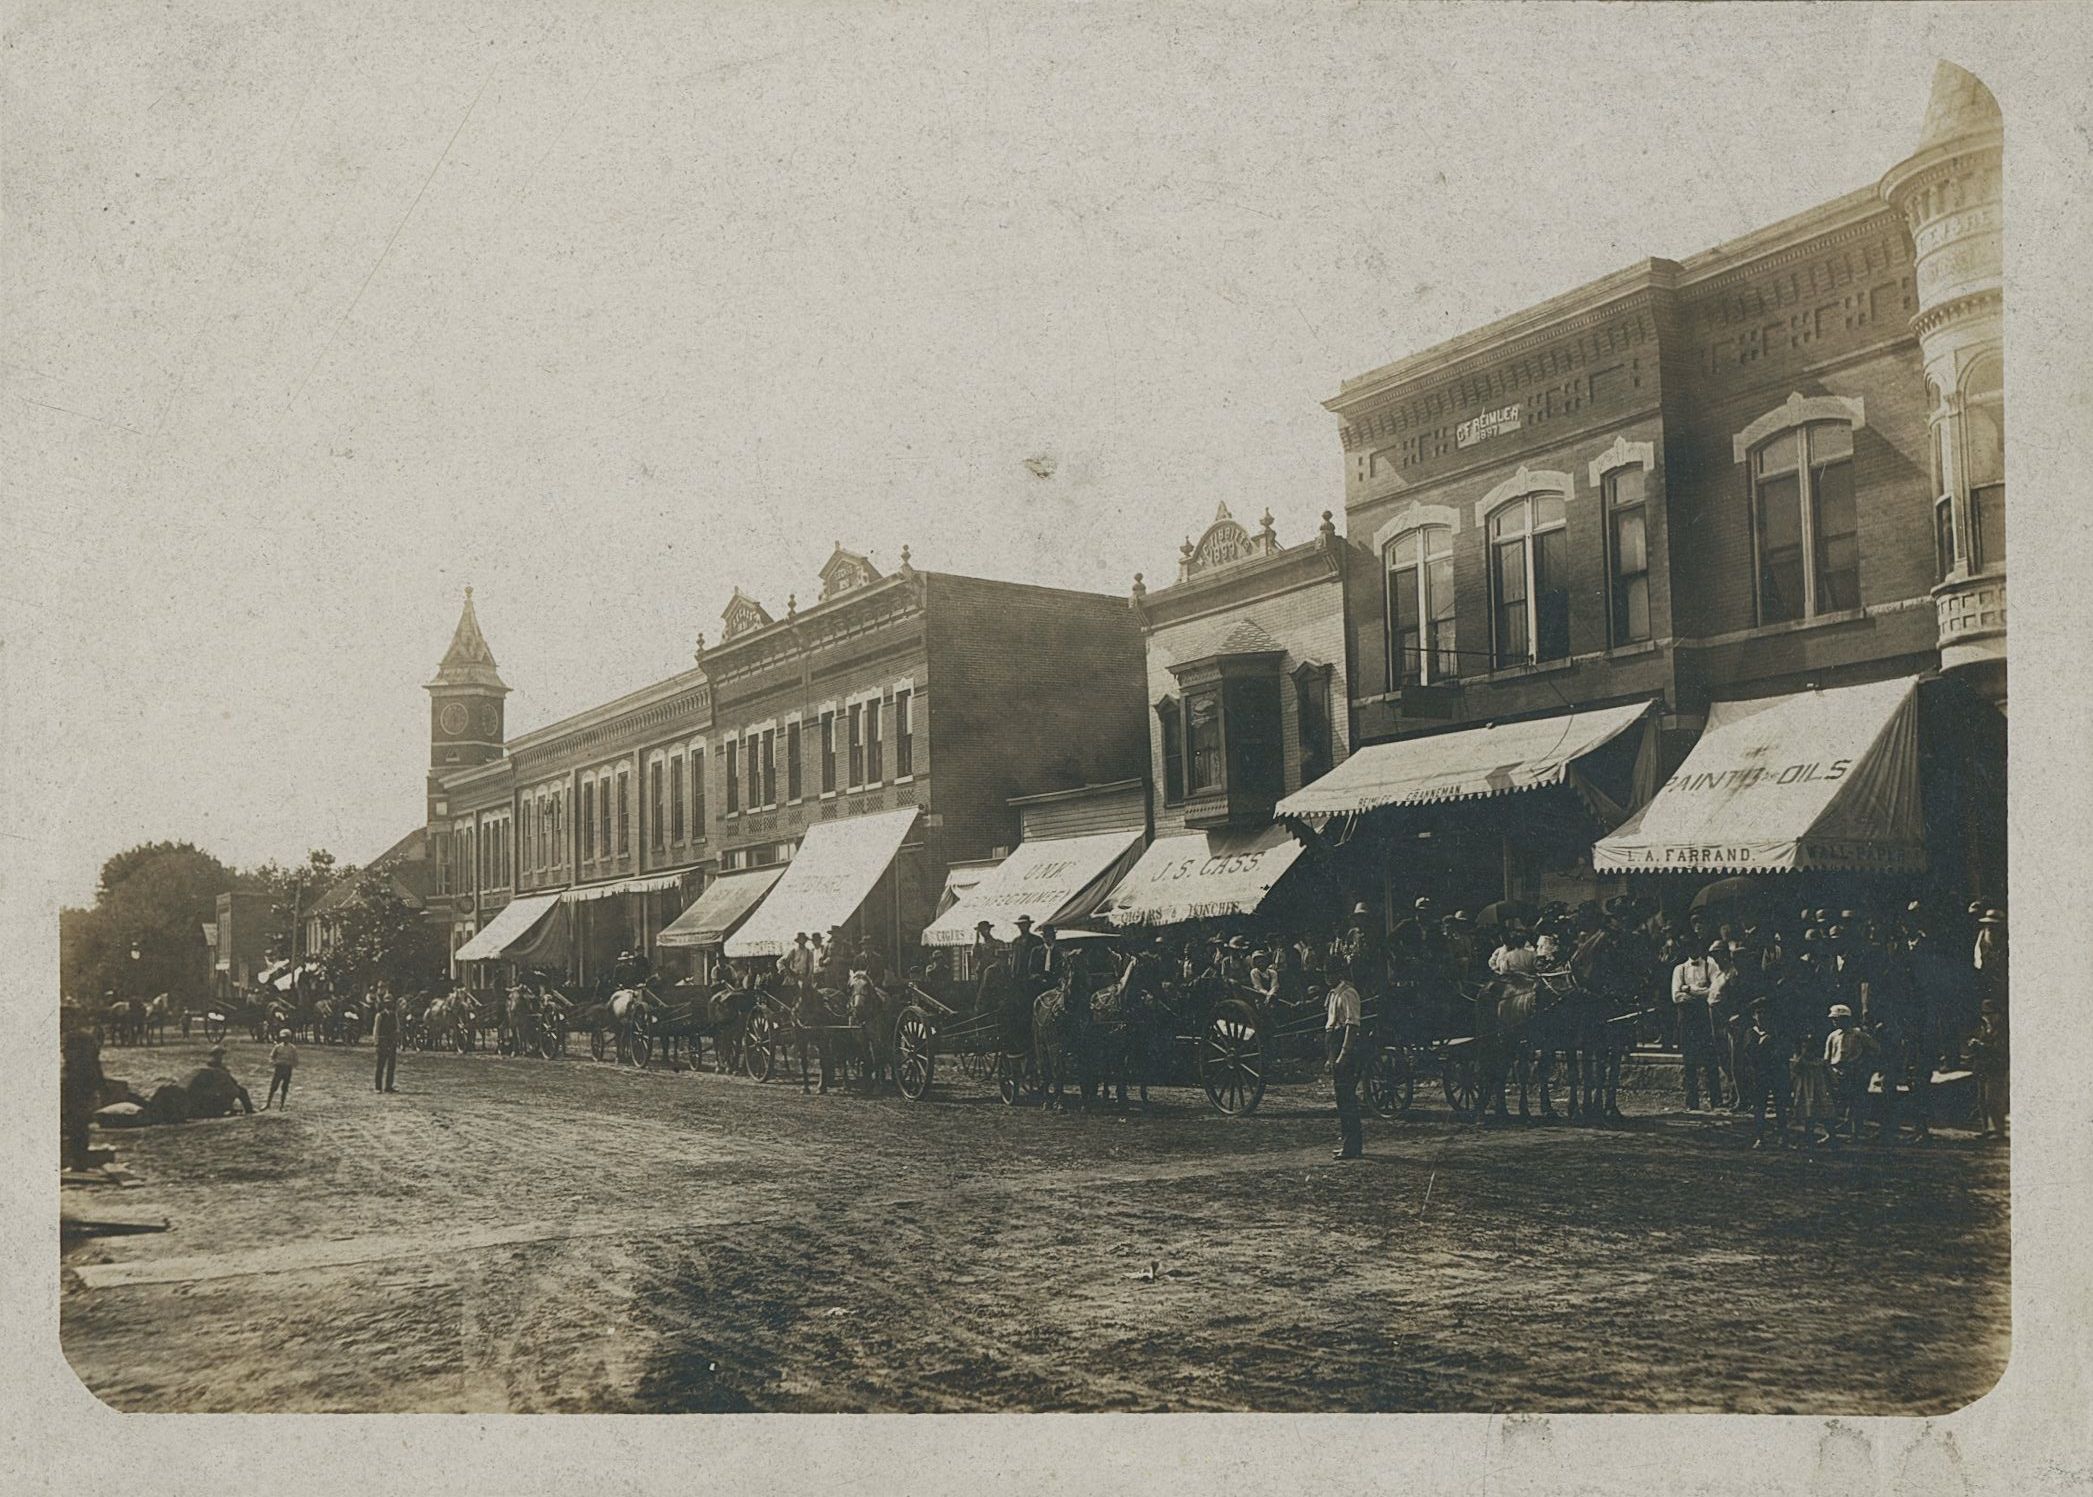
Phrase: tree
(384,938)
(154,900)
(293,892)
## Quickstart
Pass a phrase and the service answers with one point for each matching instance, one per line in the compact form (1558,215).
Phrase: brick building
(1772,467)
(939,696)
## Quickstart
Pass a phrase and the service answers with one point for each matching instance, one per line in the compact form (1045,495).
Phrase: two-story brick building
(1773,467)
(920,700)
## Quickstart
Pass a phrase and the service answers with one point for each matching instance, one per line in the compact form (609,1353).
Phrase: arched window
(587,808)
(1984,445)
(1422,644)
(1529,580)
(1803,515)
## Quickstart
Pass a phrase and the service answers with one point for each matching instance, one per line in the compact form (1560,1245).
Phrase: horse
(1124,1023)
(1521,1020)
(153,1019)
(627,1009)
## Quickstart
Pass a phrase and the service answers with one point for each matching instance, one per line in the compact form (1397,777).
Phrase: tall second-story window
(1529,581)
(828,753)
(587,807)
(675,797)
(904,734)
(1804,522)
(1203,741)
(795,775)
(697,793)
(857,745)
(1627,557)
(770,766)
(657,805)
(1984,441)
(733,776)
(875,767)
(1422,643)
(624,813)
(603,837)
(1170,718)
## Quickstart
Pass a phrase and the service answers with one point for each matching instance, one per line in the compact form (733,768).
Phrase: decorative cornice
(1797,410)
(1985,302)
(1308,564)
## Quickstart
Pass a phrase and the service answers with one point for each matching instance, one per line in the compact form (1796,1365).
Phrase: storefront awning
(1201,875)
(713,915)
(961,881)
(836,866)
(1055,880)
(517,921)
(1820,780)
(622,886)
(1495,760)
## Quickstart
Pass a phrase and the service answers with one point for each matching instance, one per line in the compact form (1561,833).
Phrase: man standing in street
(1692,983)
(1341,1042)
(385,1033)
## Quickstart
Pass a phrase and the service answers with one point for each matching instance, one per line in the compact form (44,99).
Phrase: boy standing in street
(282,1060)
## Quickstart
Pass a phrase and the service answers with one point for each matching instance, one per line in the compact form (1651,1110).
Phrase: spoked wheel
(1010,1078)
(1391,1085)
(915,1052)
(1461,1078)
(639,1042)
(757,1047)
(214,1027)
(462,1039)
(599,1042)
(1232,1059)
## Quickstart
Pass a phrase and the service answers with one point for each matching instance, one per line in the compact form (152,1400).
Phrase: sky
(317,314)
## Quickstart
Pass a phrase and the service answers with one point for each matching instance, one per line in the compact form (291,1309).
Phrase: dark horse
(1522,1023)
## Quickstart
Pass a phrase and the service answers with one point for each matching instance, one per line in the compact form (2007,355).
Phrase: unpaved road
(518,1235)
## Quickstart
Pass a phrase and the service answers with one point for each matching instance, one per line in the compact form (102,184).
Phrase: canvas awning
(961,881)
(713,915)
(1495,760)
(622,886)
(1053,879)
(517,920)
(836,866)
(1819,780)
(1200,875)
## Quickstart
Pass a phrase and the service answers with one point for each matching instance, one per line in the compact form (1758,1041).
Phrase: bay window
(1203,741)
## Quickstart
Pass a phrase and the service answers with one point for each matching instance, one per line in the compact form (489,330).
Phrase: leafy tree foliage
(154,900)
(383,938)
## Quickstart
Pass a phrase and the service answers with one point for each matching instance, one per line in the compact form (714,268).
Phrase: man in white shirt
(1692,990)
(1346,1052)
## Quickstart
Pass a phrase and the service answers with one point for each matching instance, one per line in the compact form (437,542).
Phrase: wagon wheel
(1232,1059)
(1391,1085)
(461,1038)
(639,1042)
(915,1052)
(1010,1078)
(756,1046)
(599,1042)
(1460,1077)
(214,1027)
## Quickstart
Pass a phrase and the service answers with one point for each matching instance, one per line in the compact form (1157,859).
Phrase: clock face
(453,718)
(490,720)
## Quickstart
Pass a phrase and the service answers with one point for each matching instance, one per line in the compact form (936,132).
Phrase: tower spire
(469,661)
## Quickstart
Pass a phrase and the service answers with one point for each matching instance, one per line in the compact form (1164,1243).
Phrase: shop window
(1529,580)
(795,778)
(1628,556)
(1804,521)
(1984,440)
(904,734)
(1170,717)
(1422,643)
(828,753)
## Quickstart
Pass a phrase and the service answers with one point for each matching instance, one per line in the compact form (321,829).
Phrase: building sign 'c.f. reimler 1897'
(1489,424)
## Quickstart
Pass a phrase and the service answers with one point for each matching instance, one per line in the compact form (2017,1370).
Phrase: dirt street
(522,1235)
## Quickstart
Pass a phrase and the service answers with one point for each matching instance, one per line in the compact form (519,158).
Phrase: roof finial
(904,553)
(468,592)
(1328,527)
(791,605)
(1140,588)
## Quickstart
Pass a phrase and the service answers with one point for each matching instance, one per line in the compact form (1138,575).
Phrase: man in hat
(1458,935)
(385,1034)
(797,965)
(1849,1051)
(1024,951)
(1988,956)
(1235,962)
(1365,946)
(212,1090)
(987,949)
(1766,1075)
(1346,1052)
(1692,993)
(631,970)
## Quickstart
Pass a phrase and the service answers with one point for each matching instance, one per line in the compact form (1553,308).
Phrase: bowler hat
(1841,1011)
(1993,917)
(1024,920)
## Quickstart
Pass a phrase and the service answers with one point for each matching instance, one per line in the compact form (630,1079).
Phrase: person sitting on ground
(282,1060)
(209,1091)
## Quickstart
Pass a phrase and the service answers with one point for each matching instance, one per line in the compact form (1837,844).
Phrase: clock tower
(465,705)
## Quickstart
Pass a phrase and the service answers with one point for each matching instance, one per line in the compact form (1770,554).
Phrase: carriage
(989,1039)
(858,1038)
(222,1016)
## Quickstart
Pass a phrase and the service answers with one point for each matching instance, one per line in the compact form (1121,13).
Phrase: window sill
(1816,621)
(1630,651)
(1512,673)
(904,779)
